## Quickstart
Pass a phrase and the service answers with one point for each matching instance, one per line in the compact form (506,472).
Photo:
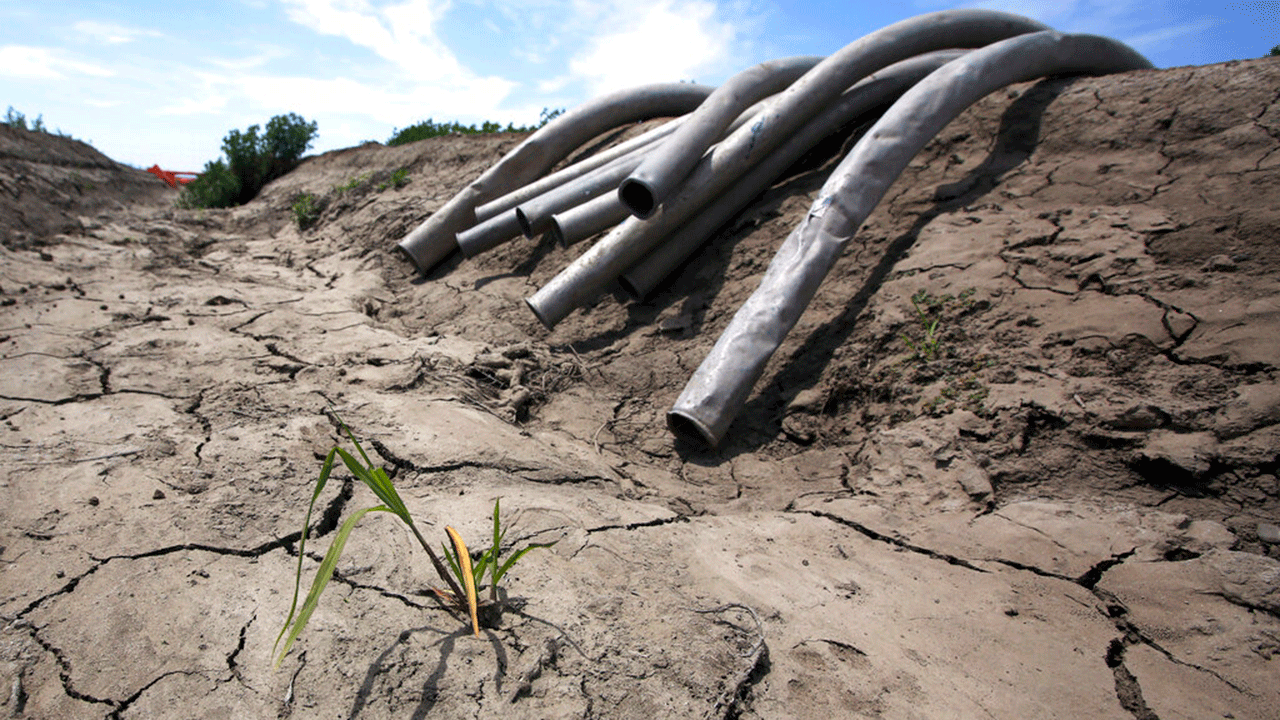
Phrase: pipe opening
(638,197)
(630,288)
(688,428)
(557,232)
(526,227)
(407,256)
(538,314)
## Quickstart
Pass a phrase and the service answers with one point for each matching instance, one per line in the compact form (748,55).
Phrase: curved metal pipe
(576,170)
(664,168)
(591,217)
(720,386)
(874,92)
(587,276)
(436,238)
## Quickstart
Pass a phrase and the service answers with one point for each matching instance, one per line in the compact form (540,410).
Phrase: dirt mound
(48,183)
(1061,501)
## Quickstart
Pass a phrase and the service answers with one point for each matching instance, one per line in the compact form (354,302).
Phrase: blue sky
(163,82)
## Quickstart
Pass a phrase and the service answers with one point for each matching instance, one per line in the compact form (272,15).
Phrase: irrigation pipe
(582,221)
(576,170)
(587,277)
(531,216)
(876,91)
(720,386)
(663,169)
(534,214)
(436,238)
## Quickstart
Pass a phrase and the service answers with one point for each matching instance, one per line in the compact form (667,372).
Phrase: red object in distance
(174,178)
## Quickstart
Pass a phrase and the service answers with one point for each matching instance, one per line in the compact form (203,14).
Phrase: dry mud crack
(1068,511)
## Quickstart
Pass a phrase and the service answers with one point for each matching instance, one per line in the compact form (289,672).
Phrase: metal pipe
(582,221)
(587,276)
(874,92)
(534,215)
(488,234)
(664,168)
(720,386)
(576,170)
(436,238)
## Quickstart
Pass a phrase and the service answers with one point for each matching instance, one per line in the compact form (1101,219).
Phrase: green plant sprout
(926,348)
(461,594)
(490,559)
(929,309)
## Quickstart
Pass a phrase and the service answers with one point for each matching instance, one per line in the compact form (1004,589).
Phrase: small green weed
(353,183)
(927,346)
(398,179)
(458,598)
(306,210)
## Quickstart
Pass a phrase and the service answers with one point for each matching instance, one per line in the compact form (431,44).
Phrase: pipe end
(537,312)
(638,197)
(526,227)
(557,232)
(689,429)
(408,256)
(630,288)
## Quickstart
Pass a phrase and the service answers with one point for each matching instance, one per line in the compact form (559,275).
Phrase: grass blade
(499,572)
(323,574)
(468,579)
(325,470)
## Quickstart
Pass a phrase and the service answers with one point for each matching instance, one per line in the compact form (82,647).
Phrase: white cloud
(36,63)
(665,41)
(403,34)
(111,33)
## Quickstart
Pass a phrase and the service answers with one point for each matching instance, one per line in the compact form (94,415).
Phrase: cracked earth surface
(1068,510)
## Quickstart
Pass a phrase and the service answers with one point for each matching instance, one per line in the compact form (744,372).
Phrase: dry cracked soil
(1065,506)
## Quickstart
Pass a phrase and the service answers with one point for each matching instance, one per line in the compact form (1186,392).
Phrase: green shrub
(253,160)
(15,119)
(217,186)
(429,128)
(306,210)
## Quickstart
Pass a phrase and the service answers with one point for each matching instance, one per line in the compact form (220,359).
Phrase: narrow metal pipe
(664,168)
(720,386)
(587,276)
(582,221)
(872,93)
(535,215)
(576,170)
(489,234)
(436,238)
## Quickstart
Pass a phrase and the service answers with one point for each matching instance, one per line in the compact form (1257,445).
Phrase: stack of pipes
(664,192)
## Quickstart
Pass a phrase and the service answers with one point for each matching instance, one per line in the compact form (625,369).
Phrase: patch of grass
(306,210)
(398,179)
(926,345)
(353,183)
(461,595)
